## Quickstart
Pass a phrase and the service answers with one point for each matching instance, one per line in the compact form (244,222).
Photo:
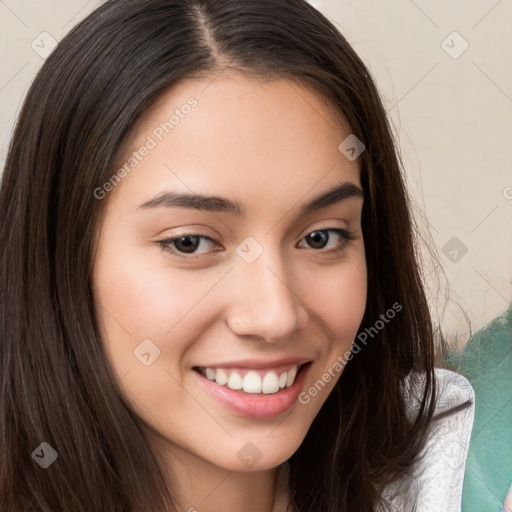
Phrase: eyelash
(345,235)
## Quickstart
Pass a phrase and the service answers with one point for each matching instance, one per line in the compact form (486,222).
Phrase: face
(224,318)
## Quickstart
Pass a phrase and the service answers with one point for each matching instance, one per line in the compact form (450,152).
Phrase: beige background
(445,73)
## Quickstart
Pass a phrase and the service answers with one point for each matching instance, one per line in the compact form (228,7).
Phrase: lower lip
(258,406)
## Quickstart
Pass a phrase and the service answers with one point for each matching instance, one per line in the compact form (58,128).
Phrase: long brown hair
(56,384)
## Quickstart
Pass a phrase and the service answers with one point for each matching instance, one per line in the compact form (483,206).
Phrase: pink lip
(258,364)
(257,406)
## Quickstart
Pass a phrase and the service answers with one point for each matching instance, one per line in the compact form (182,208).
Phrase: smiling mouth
(263,382)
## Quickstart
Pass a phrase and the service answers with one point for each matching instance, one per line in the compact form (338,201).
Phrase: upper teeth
(253,381)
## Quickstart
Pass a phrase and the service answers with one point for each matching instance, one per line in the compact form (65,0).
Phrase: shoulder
(436,482)
(447,448)
(452,390)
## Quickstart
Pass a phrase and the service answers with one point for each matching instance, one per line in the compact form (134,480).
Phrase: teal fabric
(486,362)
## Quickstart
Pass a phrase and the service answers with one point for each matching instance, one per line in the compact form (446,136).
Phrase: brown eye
(320,238)
(187,244)
(317,239)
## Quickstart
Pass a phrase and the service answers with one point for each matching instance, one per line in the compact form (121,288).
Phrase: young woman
(211,297)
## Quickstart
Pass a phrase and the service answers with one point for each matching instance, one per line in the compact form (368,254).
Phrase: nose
(265,303)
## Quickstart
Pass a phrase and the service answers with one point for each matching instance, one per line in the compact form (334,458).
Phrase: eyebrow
(222,205)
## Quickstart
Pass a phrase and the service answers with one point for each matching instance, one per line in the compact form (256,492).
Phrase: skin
(271,146)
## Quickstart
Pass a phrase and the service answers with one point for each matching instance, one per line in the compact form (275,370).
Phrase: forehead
(238,87)
(235,134)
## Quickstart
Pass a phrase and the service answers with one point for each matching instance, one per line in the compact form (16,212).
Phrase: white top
(436,484)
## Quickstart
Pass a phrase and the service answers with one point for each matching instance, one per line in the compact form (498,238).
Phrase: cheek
(339,299)
(140,298)
(144,295)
